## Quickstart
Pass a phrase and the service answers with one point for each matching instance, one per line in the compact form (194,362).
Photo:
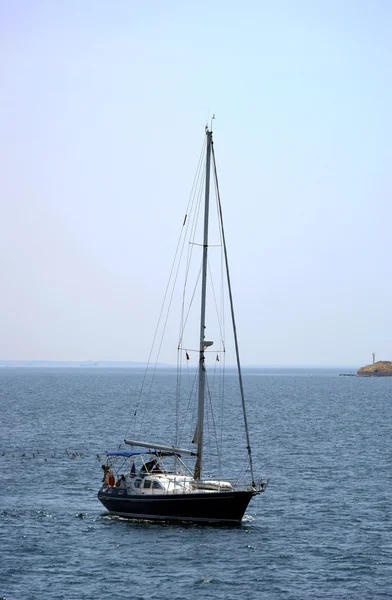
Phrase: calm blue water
(323,528)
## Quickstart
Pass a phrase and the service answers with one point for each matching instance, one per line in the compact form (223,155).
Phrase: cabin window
(137,483)
(156,485)
(147,483)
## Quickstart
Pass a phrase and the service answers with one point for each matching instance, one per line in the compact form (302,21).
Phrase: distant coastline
(107,364)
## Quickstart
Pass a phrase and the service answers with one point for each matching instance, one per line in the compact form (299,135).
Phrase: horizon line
(97,363)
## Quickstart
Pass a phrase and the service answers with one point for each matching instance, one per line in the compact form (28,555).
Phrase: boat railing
(189,487)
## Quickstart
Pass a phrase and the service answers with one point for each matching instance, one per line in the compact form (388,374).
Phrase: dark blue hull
(201,507)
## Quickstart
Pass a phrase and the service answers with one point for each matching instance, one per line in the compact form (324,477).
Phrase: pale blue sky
(102,114)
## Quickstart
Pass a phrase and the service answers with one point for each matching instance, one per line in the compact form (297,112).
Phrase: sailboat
(164,481)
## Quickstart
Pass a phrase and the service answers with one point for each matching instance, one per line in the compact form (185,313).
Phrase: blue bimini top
(129,453)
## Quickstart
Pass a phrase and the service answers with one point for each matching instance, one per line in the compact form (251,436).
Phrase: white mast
(203,343)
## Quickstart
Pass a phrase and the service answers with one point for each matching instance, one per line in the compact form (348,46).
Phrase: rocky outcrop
(382,368)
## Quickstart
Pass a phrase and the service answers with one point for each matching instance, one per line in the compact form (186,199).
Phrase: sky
(102,113)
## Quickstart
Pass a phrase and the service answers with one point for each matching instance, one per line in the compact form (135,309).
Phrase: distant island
(381,368)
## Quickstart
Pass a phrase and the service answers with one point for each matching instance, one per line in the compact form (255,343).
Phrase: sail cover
(157,447)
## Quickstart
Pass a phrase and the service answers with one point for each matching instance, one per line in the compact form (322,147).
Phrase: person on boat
(108,477)
(105,470)
(120,481)
(152,465)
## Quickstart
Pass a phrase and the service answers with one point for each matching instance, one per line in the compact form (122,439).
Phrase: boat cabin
(153,477)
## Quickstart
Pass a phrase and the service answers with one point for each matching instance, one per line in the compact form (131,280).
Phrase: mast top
(209,129)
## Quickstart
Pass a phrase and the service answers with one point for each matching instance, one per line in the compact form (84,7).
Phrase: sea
(322,529)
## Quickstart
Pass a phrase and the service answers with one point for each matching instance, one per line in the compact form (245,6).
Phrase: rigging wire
(222,395)
(194,212)
(188,260)
(234,325)
(192,396)
(222,312)
(182,234)
(189,307)
(216,305)
(173,288)
(214,427)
